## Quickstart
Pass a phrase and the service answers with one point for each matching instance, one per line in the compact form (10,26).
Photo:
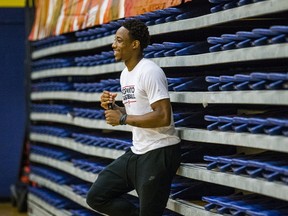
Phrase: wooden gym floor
(6,209)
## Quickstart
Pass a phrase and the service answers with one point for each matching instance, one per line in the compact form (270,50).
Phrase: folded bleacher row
(246,204)
(191,152)
(252,81)
(107,57)
(273,122)
(242,39)
(272,166)
(96,139)
(264,123)
(183,117)
(60,202)
(220,5)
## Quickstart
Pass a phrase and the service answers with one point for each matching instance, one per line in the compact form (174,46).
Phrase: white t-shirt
(143,86)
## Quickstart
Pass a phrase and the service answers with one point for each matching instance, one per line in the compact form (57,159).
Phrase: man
(154,157)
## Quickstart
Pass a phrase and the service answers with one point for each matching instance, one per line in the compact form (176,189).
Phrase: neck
(131,63)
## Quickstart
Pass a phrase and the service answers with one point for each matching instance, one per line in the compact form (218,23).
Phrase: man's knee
(90,199)
(94,201)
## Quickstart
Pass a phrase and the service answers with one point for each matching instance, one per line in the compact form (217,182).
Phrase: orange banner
(56,17)
(133,8)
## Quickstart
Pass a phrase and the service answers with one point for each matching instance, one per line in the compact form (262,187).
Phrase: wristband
(122,120)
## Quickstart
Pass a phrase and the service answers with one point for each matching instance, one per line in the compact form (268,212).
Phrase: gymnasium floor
(6,209)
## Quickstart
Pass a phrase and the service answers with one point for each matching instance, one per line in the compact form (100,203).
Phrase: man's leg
(105,194)
(155,171)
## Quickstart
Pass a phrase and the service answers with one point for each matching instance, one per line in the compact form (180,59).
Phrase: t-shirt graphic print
(128,93)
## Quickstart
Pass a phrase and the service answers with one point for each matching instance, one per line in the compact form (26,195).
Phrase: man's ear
(136,44)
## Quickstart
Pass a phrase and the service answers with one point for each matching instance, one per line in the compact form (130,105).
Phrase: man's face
(122,45)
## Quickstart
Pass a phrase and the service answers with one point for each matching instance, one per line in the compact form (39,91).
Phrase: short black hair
(138,31)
